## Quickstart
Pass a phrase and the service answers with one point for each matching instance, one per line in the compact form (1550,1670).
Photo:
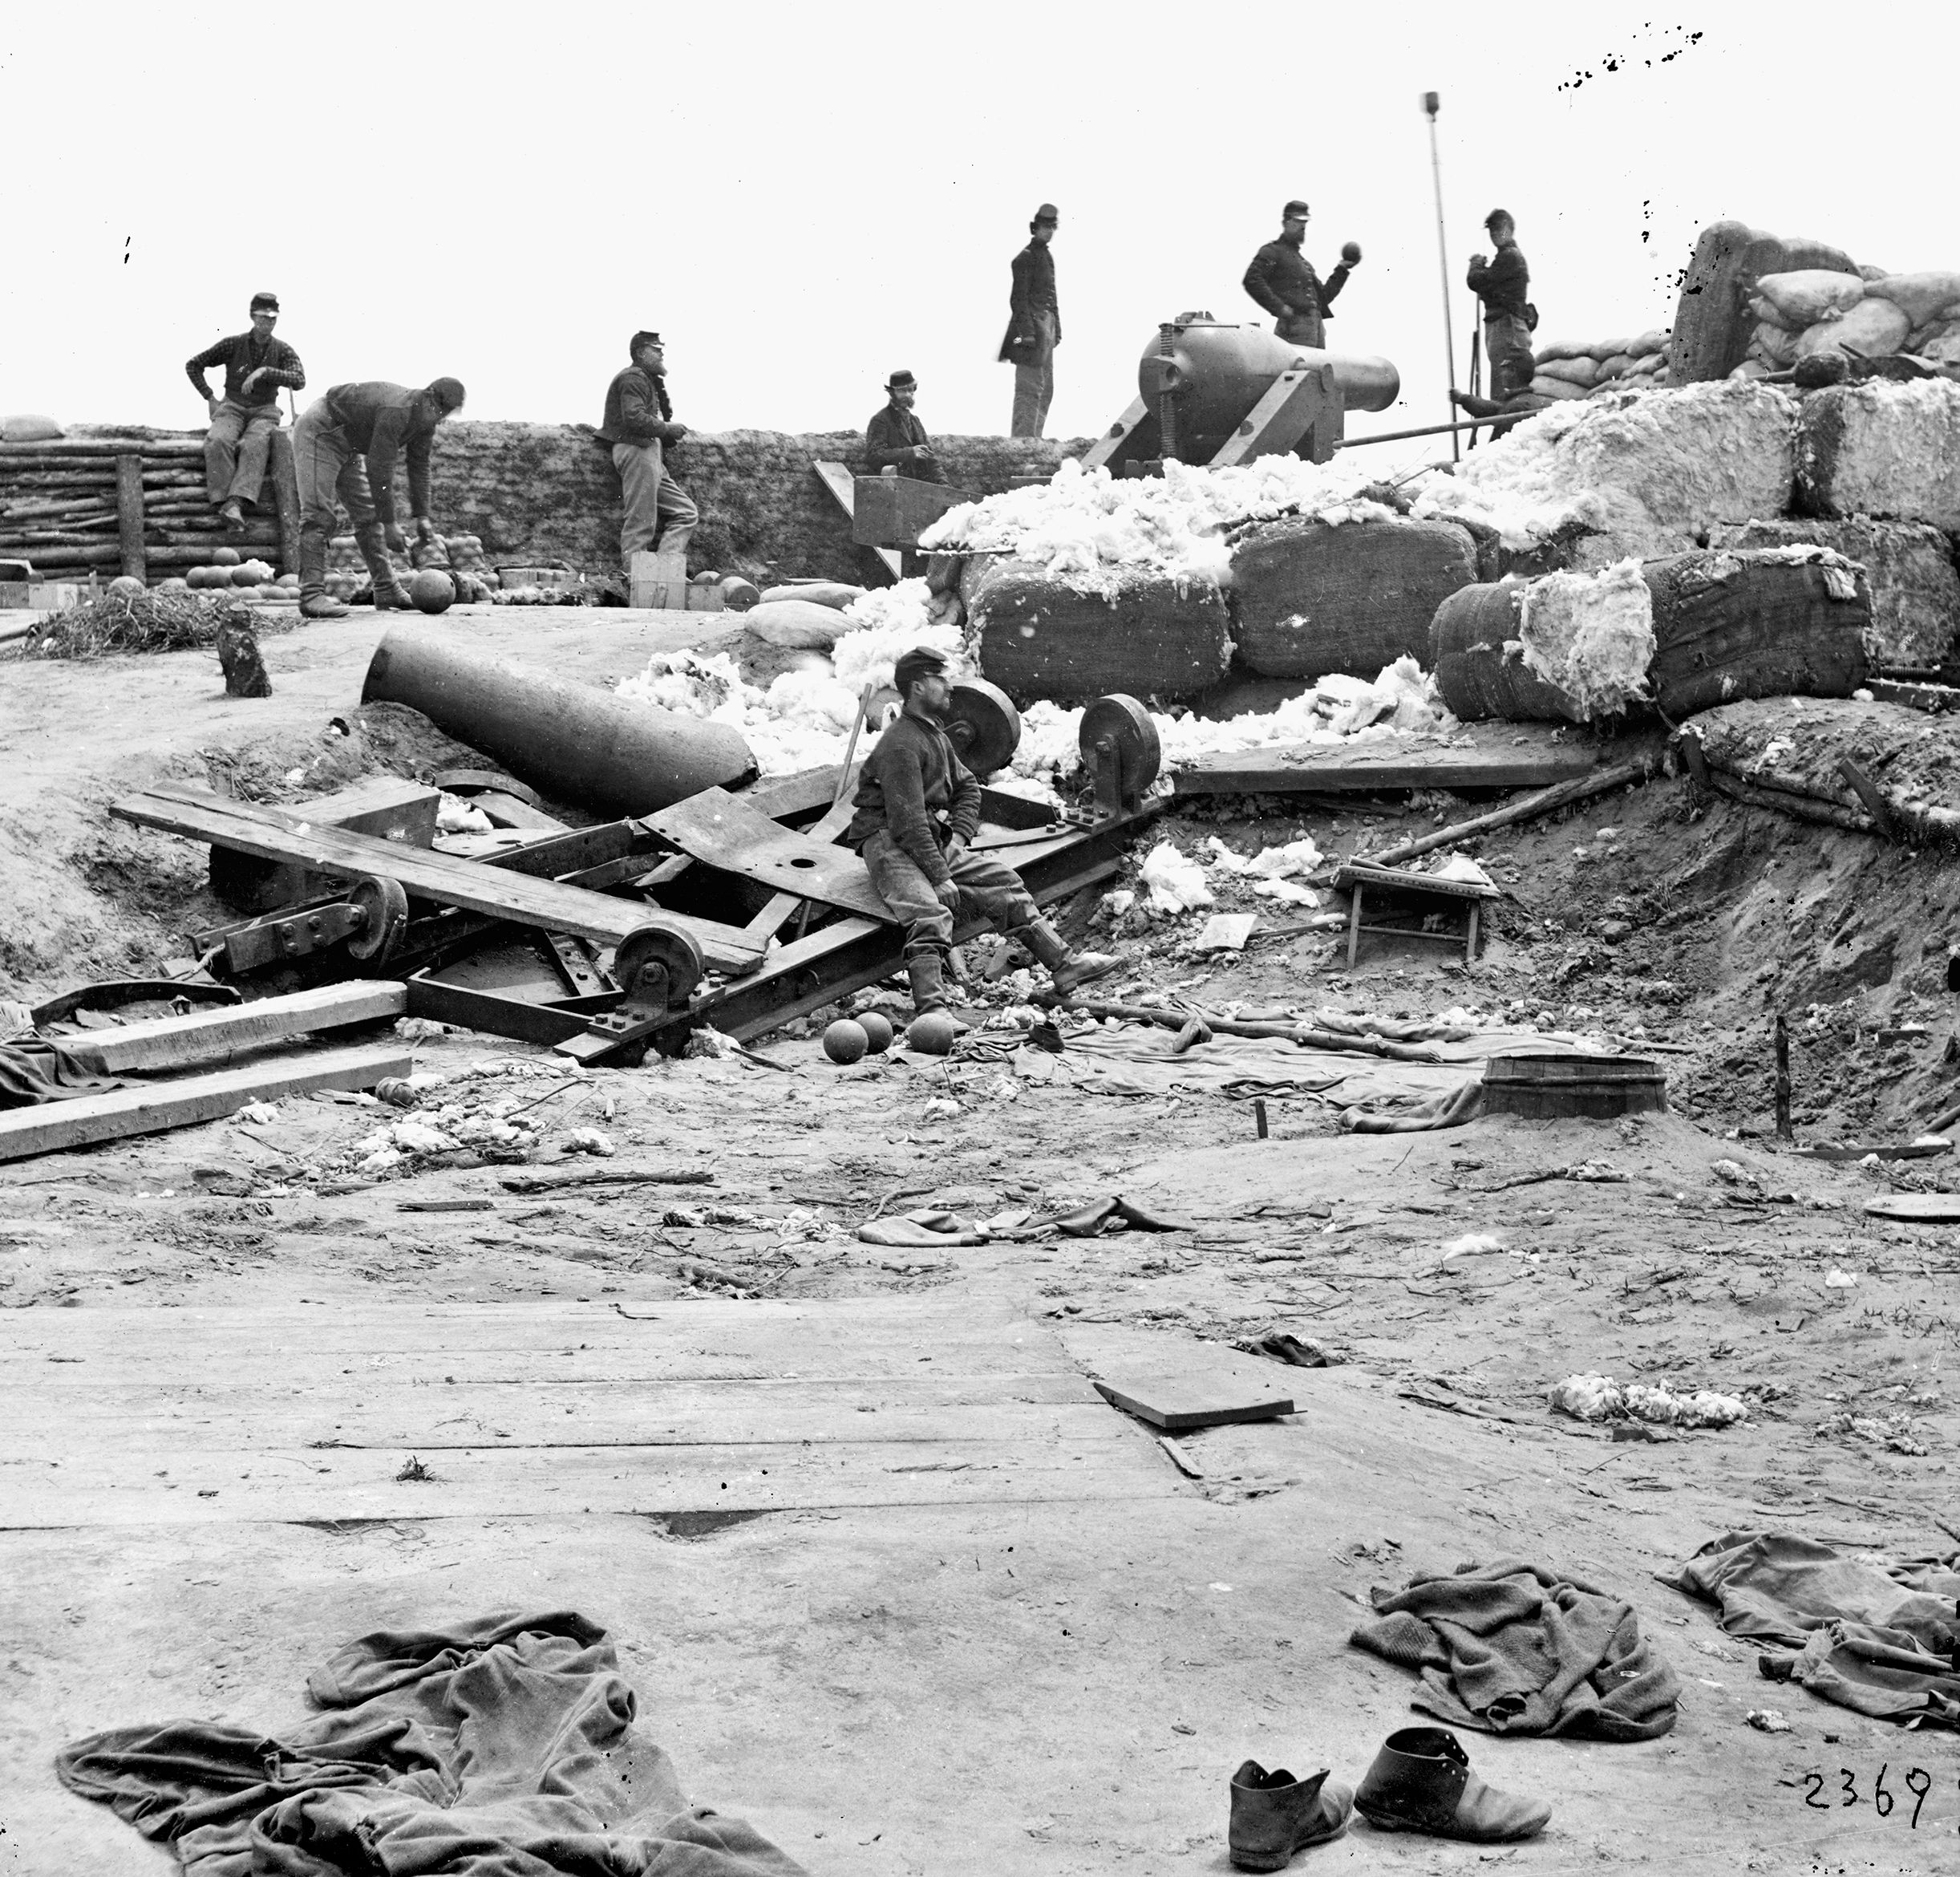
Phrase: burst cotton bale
(1309,598)
(1590,636)
(1915,590)
(1477,658)
(1888,450)
(1731,623)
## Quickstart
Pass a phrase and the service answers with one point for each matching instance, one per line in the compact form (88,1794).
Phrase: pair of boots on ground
(1068,969)
(1421,1780)
(323,605)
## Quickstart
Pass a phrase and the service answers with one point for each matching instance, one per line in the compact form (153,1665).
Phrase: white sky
(802,197)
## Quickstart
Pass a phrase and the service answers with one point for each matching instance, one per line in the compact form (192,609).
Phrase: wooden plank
(1177,1400)
(209,1037)
(721,830)
(129,514)
(56,1125)
(1388,763)
(489,1482)
(842,484)
(283,473)
(1919,1208)
(443,879)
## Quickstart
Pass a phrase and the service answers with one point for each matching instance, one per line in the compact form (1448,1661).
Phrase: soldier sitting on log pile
(244,416)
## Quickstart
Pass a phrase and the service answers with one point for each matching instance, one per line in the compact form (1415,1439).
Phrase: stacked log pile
(109,505)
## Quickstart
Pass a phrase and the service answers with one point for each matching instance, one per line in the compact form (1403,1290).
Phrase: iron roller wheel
(984,725)
(659,945)
(384,909)
(1121,718)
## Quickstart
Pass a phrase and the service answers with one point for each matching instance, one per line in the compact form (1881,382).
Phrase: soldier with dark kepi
(1282,279)
(894,439)
(637,427)
(1501,283)
(344,452)
(918,808)
(246,412)
(1034,325)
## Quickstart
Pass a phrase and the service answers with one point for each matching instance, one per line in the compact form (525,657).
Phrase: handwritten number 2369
(1918,1782)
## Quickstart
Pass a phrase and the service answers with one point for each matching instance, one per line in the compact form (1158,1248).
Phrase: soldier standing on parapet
(1282,279)
(1501,283)
(1035,328)
(637,427)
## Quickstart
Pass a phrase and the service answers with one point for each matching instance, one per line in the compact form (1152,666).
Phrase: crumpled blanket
(1512,1648)
(32,1070)
(498,1747)
(1881,1636)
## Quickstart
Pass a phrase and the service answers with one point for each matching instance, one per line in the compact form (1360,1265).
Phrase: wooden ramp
(200,1416)
(1503,755)
(843,485)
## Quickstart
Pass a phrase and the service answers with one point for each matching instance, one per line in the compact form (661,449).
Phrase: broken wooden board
(1185,1387)
(53,1126)
(387,807)
(209,1038)
(501,892)
(843,485)
(721,830)
(1918,1208)
(1519,758)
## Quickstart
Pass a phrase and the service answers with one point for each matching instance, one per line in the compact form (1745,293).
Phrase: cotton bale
(1924,296)
(1150,634)
(1476,658)
(796,622)
(1869,330)
(1731,623)
(1883,449)
(1309,598)
(1915,590)
(1710,330)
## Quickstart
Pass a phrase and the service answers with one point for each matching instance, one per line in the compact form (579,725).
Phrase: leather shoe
(321,605)
(392,599)
(1421,1780)
(1274,1815)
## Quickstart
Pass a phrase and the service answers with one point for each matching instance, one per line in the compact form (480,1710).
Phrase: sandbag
(1475,658)
(1309,598)
(1869,330)
(1915,589)
(1152,636)
(1774,345)
(1809,295)
(1710,330)
(27,428)
(1614,364)
(818,593)
(1581,372)
(796,621)
(1944,349)
(1653,340)
(1731,623)
(1559,349)
(1557,387)
(1925,297)
(1887,450)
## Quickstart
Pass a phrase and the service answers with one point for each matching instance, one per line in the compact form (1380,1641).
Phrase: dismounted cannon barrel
(1218,373)
(574,743)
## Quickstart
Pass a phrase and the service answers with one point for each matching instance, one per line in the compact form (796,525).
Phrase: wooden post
(1784,1131)
(129,512)
(285,493)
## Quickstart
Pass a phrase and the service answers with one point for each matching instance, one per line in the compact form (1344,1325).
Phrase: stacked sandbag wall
(1571,370)
(1309,598)
(1807,313)
(1915,587)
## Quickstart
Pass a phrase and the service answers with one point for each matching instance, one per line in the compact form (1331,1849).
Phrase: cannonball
(225,557)
(432,590)
(845,1041)
(932,1033)
(176,583)
(127,584)
(200,576)
(243,574)
(738,594)
(877,1028)
(1351,252)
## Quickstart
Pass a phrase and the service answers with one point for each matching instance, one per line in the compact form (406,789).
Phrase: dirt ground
(1004,1631)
